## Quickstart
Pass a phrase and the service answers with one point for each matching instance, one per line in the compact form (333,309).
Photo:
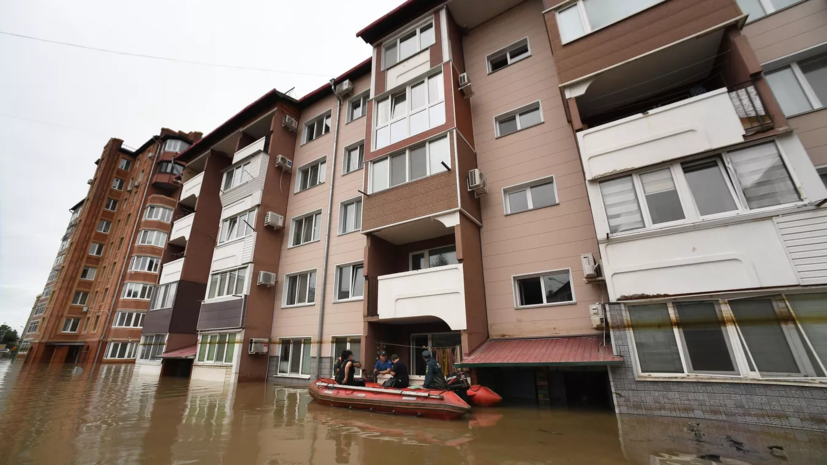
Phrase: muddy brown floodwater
(50,416)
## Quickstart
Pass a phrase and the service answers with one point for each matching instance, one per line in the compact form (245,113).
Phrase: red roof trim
(554,351)
(383,18)
(355,71)
(186,352)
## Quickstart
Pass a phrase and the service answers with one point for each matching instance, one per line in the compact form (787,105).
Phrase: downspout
(128,253)
(327,230)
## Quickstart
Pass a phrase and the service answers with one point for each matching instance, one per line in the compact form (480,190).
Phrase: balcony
(250,150)
(171,271)
(434,292)
(191,190)
(181,228)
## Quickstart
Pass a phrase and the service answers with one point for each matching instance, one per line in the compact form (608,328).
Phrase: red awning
(557,351)
(186,352)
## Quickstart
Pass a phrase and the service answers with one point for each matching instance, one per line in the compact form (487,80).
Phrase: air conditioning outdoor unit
(266,278)
(465,85)
(344,88)
(290,123)
(129,188)
(85,309)
(589,265)
(89,182)
(284,163)
(596,314)
(258,345)
(477,182)
(136,185)
(273,220)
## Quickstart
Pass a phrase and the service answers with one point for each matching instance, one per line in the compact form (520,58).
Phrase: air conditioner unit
(596,314)
(85,309)
(129,188)
(273,220)
(284,163)
(89,182)
(136,185)
(258,345)
(465,85)
(589,265)
(290,123)
(266,278)
(463,80)
(344,88)
(477,182)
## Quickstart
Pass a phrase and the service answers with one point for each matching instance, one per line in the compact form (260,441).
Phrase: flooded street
(54,417)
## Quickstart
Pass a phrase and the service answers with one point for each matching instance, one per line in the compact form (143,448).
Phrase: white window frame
(770,9)
(80,298)
(342,207)
(47,291)
(88,273)
(206,338)
(160,213)
(516,113)
(124,164)
(157,238)
(236,175)
(318,123)
(409,112)
(144,263)
(40,308)
(360,147)
(427,253)
(363,102)
(118,184)
(128,319)
(507,52)
(397,39)
(587,29)
(290,340)
(336,280)
(306,169)
(526,186)
(110,202)
(163,296)
(104,226)
(114,347)
(407,153)
(152,341)
(285,290)
(33,326)
(175,145)
(70,325)
(334,356)
(142,290)
(238,226)
(809,92)
(541,274)
(215,282)
(93,249)
(316,216)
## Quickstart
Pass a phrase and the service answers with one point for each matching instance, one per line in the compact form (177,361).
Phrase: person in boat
(347,372)
(338,365)
(383,366)
(434,378)
(398,372)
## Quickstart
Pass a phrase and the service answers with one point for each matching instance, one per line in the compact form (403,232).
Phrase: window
(176,146)
(124,164)
(40,308)
(738,181)
(408,45)
(316,127)
(88,273)
(152,237)
(128,320)
(590,15)
(311,175)
(300,289)
(759,8)
(168,167)
(104,226)
(216,348)
(306,228)
(120,243)
(354,158)
(439,256)
(800,86)
(47,291)
(140,291)
(519,119)
(53,276)
(237,176)
(59,260)
(414,163)
(237,226)
(70,325)
(294,357)
(144,263)
(509,55)
(822,174)
(353,344)
(228,283)
(357,107)
(24,346)
(96,249)
(121,350)
(80,298)
(97,320)
(164,296)
(530,196)
(350,216)
(547,288)
(111,205)
(117,184)
(63,245)
(32,328)
(152,346)
(415,109)
(350,282)
(158,213)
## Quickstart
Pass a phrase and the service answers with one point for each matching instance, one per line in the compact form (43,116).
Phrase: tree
(8,336)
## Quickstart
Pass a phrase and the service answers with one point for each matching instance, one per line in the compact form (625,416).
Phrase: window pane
(435,88)
(302,290)
(620,200)
(306,357)
(655,342)
(703,334)
(398,105)
(419,122)
(417,261)
(436,115)
(379,175)
(228,357)
(543,195)
(239,285)
(518,52)
(570,24)
(398,172)
(284,358)
(442,256)
(764,337)
(753,8)
(815,70)
(507,126)
(811,312)
(355,109)
(530,118)
(497,62)
(558,287)
(661,196)
(213,285)
(426,36)
(788,91)
(311,288)
(709,188)
(358,281)
(407,46)
(603,12)
(295,360)
(419,96)
(390,55)
(292,283)
(211,349)
(220,348)
(383,111)
(518,201)
(530,291)
(307,233)
(297,231)
(383,137)
(763,176)
(439,153)
(399,131)
(344,283)
(357,222)
(222,284)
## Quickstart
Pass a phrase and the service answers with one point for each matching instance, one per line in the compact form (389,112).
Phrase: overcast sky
(59,104)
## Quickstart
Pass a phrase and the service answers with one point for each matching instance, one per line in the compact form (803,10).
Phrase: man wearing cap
(383,366)
(434,379)
(399,373)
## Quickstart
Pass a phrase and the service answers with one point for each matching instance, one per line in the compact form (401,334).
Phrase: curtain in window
(622,208)
(763,176)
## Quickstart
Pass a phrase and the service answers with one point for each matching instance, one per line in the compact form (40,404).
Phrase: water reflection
(118,416)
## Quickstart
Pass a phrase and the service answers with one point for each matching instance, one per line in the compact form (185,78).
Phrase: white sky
(59,105)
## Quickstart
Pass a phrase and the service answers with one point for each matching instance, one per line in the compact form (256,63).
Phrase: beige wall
(341,319)
(545,239)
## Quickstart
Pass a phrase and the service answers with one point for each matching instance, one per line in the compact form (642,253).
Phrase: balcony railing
(180,233)
(434,292)
(256,146)
(171,271)
(191,190)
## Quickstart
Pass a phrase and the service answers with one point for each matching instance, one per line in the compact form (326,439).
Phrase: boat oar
(380,391)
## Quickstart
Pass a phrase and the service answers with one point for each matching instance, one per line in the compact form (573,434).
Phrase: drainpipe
(128,252)
(327,230)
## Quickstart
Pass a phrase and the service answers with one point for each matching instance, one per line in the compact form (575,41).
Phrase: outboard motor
(459,384)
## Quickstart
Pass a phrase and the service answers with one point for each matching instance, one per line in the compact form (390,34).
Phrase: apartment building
(706,204)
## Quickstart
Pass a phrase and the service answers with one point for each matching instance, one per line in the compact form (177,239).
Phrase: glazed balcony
(191,190)
(437,292)
(181,229)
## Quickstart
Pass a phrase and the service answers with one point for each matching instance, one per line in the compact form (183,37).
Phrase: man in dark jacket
(434,379)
